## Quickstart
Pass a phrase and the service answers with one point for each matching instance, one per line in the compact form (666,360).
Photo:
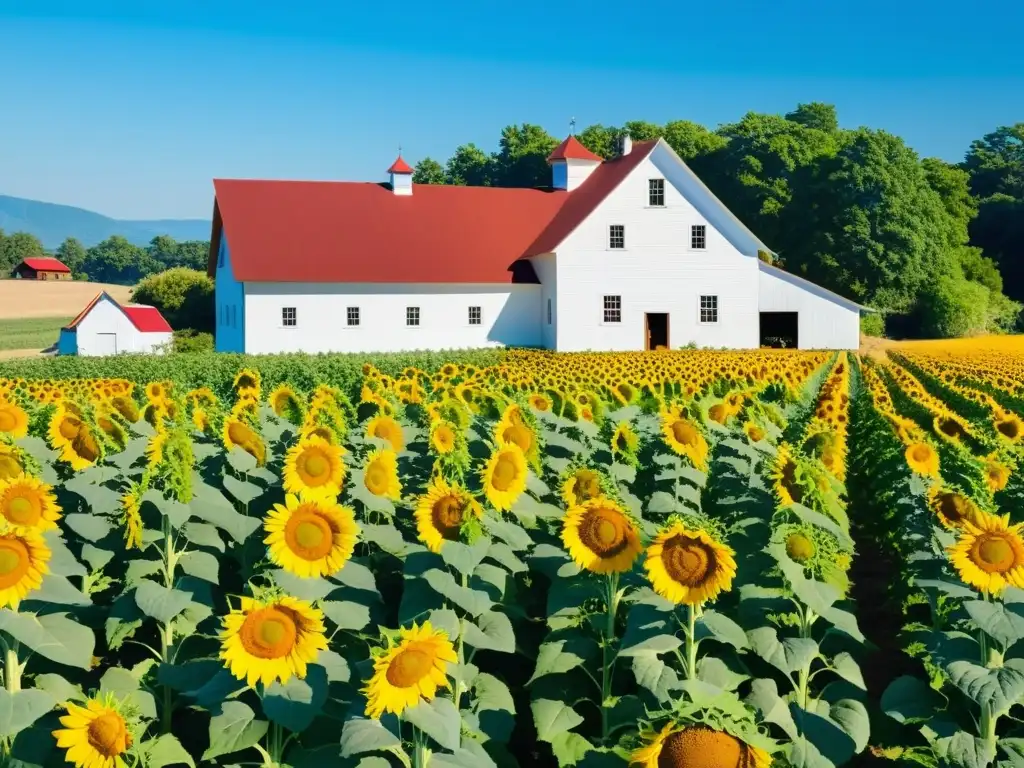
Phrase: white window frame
(651,183)
(349,313)
(693,232)
(713,306)
(616,307)
(410,314)
(285,317)
(611,237)
(479,315)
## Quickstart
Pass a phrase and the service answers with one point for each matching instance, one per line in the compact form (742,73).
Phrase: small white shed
(804,314)
(105,327)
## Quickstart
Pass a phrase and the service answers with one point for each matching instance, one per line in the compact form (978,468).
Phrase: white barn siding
(824,320)
(657,272)
(547,272)
(510,316)
(106,330)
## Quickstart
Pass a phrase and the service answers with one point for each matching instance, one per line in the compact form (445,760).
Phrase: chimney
(401,176)
(627,143)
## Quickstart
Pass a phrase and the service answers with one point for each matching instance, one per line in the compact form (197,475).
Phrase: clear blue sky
(131,107)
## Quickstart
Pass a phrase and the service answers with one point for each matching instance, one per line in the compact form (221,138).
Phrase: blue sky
(131,108)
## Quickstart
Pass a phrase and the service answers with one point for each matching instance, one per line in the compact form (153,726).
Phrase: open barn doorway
(779,330)
(656,327)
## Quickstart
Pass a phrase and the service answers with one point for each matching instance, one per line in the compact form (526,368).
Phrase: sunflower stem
(167,630)
(611,608)
(460,650)
(691,642)
(12,668)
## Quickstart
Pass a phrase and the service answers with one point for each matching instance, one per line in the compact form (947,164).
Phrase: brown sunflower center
(387,430)
(701,747)
(21,510)
(409,667)
(587,486)
(954,507)
(505,472)
(756,433)
(108,735)
(14,561)
(789,483)
(268,633)
(799,547)
(314,467)
(921,453)
(520,435)
(718,413)
(994,553)
(603,531)
(621,442)
(281,402)
(540,403)
(1010,428)
(376,478)
(447,515)
(688,561)
(85,445)
(684,432)
(69,427)
(308,535)
(951,428)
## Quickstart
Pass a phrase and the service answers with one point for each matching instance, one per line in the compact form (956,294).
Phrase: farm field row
(664,559)
(33,333)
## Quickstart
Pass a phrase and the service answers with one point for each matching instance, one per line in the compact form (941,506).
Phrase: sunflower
(411,670)
(156,391)
(684,437)
(1010,427)
(513,429)
(443,512)
(689,566)
(698,746)
(155,449)
(754,432)
(380,476)
(82,451)
(600,536)
(96,735)
(10,462)
(504,477)
(314,468)
(386,428)
(997,474)
(624,442)
(989,554)
(799,547)
(23,563)
(442,437)
(285,403)
(13,420)
(27,502)
(310,537)
(952,508)
(238,433)
(922,459)
(63,428)
(131,516)
(540,402)
(786,473)
(126,407)
(267,640)
(582,484)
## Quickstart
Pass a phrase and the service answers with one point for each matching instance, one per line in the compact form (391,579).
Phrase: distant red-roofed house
(105,327)
(41,268)
(629,253)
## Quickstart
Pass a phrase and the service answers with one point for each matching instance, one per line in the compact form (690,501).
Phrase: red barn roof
(352,232)
(571,149)
(45,264)
(145,318)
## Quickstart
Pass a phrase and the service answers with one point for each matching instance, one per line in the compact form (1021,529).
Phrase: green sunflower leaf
(21,709)
(233,729)
(552,718)
(438,719)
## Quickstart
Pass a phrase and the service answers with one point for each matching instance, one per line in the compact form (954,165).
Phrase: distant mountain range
(52,224)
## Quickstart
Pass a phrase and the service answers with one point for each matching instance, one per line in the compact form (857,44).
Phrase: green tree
(521,159)
(429,171)
(816,115)
(692,141)
(184,296)
(194,254)
(73,254)
(16,247)
(116,260)
(641,130)
(600,139)
(469,166)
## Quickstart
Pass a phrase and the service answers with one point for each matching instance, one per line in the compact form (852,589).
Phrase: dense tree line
(938,247)
(115,260)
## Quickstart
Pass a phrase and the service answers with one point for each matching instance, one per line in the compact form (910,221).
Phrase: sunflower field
(664,560)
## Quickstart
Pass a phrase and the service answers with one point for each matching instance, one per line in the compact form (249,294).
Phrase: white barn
(631,253)
(105,327)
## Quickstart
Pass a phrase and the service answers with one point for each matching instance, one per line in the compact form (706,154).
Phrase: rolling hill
(52,223)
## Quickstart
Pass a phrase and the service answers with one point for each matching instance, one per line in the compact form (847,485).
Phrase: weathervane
(399,150)
(572,126)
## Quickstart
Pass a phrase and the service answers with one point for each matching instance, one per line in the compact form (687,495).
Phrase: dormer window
(656,193)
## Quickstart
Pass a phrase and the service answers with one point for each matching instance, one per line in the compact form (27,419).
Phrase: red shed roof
(400,166)
(571,149)
(352,232)
(145,318)
(45,264)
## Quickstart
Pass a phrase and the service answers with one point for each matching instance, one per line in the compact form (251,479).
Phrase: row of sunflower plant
(962,564)
(187,577)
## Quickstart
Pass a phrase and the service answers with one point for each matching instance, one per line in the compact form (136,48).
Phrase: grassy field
(20,299)
(30,333)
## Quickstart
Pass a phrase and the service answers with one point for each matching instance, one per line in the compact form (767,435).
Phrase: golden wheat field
(682,559)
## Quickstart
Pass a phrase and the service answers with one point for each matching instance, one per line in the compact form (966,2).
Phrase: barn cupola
(401,176)
(571,164)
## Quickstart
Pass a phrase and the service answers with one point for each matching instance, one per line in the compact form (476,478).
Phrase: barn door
(106,344)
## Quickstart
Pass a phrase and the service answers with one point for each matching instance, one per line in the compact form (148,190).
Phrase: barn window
(698,237)
(412,315)
(549,311)
(352,315)
(288,317)
(709,309)
(617,236)
(475,315)
(613,309)
(656,193)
